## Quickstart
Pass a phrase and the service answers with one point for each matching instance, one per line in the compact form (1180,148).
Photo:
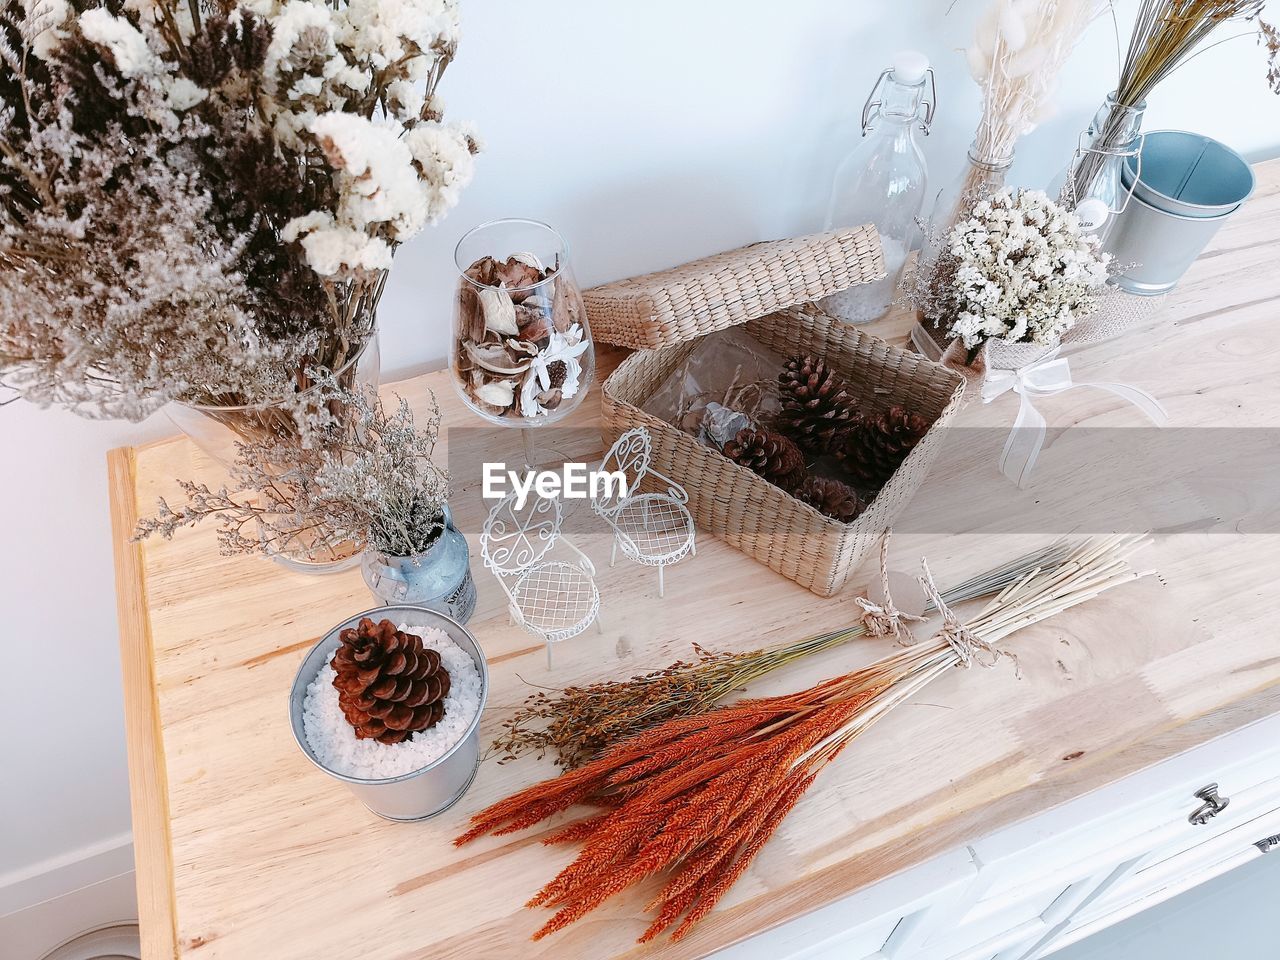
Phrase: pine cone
(770,454)
(389,686)
(872,448)
(815,402)
(837,500)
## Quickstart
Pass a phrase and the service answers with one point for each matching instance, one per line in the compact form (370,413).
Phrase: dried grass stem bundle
(579,722)
(1017,52)
(1166,33)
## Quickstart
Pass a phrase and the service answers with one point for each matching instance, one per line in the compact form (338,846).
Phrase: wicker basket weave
(750,513)
(674,306)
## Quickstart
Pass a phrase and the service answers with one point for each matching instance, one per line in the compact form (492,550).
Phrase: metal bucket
(420,793)
(1184,185)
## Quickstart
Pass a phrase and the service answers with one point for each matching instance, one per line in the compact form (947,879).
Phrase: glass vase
(216,429)
(1092,184)
(521,350)
(439,577)
(983,175)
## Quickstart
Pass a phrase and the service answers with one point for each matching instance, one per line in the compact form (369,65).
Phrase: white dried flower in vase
(201,202)
(1020,269)
(1017,52)
(1016,55)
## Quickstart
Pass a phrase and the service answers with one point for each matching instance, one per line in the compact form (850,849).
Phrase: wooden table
(244,850)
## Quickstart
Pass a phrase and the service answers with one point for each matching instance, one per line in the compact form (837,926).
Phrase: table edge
(157,894)
(148,781)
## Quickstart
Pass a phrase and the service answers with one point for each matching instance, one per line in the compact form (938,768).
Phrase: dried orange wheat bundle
(696,797)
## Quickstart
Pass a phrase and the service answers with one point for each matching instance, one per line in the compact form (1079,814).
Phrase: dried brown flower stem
(580,722)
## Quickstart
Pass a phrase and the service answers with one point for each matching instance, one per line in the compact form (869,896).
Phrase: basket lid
(672,306)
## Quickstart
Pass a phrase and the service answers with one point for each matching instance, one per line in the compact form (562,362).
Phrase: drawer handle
(1269,844)
(1212,806)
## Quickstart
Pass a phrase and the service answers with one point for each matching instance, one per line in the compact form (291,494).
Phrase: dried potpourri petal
(471,314)
(484,271)
(499,311)
(534,324)
(567,309)
(520,272)
(519,318)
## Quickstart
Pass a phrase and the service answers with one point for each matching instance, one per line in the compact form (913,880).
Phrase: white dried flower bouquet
(1017,53)
(199,201)
(1019,269)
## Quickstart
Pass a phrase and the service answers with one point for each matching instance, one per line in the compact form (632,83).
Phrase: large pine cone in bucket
(389,686)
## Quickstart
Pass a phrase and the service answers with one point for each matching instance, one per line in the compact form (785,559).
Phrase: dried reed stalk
(579,722)
(1165,35)
(695,798)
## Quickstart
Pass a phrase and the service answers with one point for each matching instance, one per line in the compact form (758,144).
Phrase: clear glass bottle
(884,180)
(1091,184)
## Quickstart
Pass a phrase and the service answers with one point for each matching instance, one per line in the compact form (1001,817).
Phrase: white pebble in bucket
(334,741)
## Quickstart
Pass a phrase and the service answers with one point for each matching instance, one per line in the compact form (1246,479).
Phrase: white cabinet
(1029,889)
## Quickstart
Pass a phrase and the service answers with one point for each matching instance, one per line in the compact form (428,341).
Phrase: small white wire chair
(552,599)
(652,529)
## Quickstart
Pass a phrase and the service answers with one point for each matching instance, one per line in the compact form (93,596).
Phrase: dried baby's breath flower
(200,201)
(1019,268)
(362,475)
(1269,37)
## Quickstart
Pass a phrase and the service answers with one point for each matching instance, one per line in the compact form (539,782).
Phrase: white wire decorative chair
(552,599)
(652,529)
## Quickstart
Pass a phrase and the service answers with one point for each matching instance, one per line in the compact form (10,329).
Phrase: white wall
(650,134)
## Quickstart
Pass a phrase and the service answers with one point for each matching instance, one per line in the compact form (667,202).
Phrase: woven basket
(674,306)
(750,513)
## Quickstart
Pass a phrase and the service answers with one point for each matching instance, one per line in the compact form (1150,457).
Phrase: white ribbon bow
(1045,377)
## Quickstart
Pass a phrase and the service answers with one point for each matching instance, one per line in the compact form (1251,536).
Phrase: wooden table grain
(246,851)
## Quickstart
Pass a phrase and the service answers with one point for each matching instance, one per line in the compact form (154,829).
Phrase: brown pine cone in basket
(873,447)
(389,686)
(816,403)
(837,500)
(770,454)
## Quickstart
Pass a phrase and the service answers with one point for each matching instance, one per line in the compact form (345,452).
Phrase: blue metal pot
(1185,186)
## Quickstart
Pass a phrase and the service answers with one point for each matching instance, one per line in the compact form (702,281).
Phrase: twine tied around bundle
(968,646)
(884,619)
